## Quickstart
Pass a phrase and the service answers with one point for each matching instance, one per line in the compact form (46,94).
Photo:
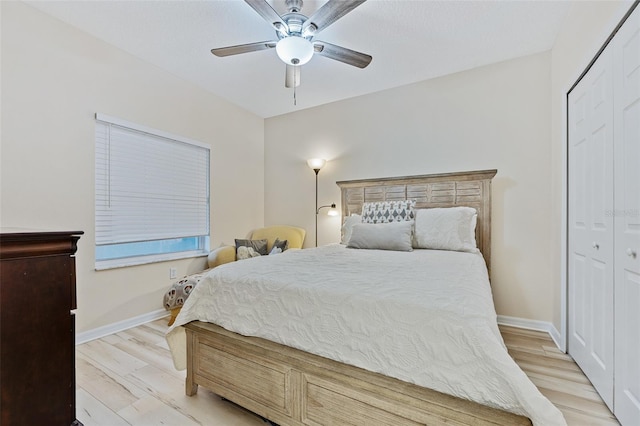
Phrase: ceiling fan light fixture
(294,50)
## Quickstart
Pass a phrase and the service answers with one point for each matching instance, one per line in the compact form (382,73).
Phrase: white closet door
(591,225)
(627,221)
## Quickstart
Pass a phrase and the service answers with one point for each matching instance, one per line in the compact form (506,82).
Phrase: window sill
(103,265)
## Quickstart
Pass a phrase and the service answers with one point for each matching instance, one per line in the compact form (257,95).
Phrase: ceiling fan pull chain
(295,84)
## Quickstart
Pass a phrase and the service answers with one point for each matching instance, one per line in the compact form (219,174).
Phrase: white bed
(424,317)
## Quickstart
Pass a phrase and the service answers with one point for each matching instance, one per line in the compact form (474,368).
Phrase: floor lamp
(316,164)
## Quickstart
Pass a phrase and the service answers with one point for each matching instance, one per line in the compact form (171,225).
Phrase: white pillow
(382,236)
(452,228)
(348,226)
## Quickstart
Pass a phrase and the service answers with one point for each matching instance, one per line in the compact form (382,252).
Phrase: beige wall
(507,116)
(496,116)
(54,79)
(585,29)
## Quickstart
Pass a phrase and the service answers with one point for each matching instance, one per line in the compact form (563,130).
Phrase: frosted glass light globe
(294,50)
(316,163)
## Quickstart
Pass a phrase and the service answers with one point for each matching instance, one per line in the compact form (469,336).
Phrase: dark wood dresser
(37,327)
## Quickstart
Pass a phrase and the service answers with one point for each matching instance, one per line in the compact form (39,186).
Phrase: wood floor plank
(128,378)
(564,399)
(525,342)
(200,409)
(160,325)
(570,376)
(90,411)
(579,418)
(581,390)
(148,334)
(111,357)
(151,411)
(150,353)
(554,352)
(108,387)
(565,365)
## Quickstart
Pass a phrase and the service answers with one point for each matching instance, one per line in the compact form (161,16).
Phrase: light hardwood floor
(128,379)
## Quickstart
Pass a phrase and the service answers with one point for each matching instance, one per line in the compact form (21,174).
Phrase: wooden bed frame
(292,387)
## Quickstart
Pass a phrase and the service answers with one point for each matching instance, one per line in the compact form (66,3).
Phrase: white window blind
(149,185)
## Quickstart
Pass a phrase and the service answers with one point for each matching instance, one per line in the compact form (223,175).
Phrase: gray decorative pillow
(388,211)
(259,246)
(279,246)
(382,236)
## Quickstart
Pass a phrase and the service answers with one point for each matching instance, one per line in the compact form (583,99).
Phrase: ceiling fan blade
(243,48)
(330,12)
(265,10)
(292,76)
(342,54)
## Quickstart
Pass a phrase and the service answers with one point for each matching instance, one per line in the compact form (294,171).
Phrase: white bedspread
(425,317)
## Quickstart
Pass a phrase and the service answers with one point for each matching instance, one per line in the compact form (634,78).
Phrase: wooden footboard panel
(292,387)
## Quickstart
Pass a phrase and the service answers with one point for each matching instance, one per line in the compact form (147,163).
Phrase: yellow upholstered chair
(293,234)
(225,254)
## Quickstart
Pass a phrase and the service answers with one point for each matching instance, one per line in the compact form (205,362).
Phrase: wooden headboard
(471,189)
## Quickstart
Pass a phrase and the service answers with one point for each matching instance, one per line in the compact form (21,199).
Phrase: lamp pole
(316,164)
(316,170)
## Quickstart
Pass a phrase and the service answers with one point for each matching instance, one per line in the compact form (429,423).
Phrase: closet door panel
(591,225)
(579,329)
(627,220)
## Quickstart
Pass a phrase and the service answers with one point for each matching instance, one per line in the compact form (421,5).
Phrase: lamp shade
(316,163)
(294,50)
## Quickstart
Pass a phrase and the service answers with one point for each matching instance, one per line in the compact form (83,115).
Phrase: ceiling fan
(295,45)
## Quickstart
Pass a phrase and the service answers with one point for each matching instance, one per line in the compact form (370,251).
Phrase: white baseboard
(536,325)
(105,330)
(557,339)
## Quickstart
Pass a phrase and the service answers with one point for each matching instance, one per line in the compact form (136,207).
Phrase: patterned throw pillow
(279,246)
(388,211)
(259,246)
(180,290)
(245,252)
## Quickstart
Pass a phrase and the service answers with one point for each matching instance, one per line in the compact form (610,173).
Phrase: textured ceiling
(410,41)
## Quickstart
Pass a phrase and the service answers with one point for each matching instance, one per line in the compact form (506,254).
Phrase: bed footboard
(292,387)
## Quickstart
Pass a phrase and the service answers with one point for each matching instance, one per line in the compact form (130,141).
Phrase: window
(152,195)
